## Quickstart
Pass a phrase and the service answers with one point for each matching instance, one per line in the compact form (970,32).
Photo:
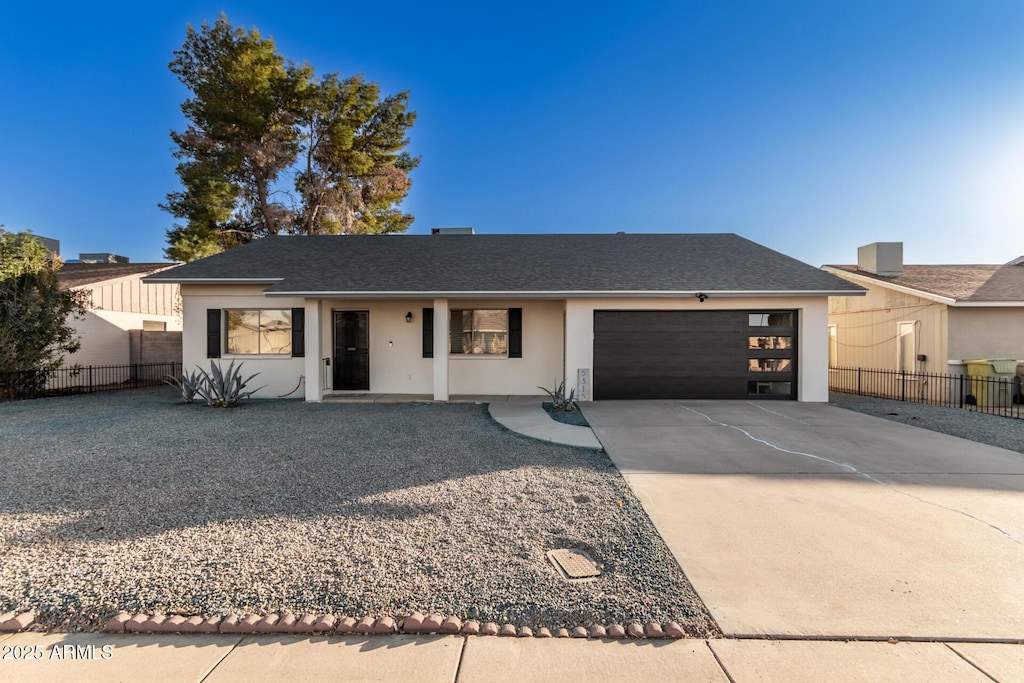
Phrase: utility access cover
(574,565)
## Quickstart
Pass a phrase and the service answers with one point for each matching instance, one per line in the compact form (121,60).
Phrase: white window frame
(833,345)
(226,313)
(451,314)
(904,329)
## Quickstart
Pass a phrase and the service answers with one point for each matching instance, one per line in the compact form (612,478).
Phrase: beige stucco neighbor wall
(812,382)
(986,333)
(868,326)
(116,307)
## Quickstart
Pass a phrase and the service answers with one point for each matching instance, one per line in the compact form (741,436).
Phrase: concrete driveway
(809,520)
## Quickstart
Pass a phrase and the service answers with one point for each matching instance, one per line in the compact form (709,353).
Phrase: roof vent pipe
(452,231)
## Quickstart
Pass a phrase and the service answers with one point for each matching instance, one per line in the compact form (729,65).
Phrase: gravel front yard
(130,501)
(994,430)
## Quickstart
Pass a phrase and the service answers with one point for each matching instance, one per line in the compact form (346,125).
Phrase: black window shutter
(515,333)
(213,333)
(298,332)
(428,332)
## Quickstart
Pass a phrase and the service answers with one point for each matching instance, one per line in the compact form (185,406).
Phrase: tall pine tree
(256,122)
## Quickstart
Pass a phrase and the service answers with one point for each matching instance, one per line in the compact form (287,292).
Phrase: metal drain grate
(573,564)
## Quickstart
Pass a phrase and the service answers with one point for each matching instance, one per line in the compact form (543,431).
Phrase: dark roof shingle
(512,263)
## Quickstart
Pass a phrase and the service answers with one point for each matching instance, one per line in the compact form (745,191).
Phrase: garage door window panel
(769,364)
(770,342)
(771,319)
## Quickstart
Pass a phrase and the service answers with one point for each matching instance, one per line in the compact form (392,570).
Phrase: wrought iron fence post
(903,385)
(858,381)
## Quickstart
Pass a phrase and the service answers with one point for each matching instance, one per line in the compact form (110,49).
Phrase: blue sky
(809,127)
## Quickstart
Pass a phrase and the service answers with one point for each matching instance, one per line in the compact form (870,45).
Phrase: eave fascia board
(216,281)
(938,298)
(988,304)
(578,294)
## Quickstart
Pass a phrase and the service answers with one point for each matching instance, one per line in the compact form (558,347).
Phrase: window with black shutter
(213,333)
(428,332)
(298,332)
(515,333)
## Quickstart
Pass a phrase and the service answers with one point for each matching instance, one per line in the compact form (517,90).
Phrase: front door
(352,350)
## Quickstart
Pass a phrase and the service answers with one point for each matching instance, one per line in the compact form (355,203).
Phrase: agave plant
(559,401)
(219,388)
(224,388)
(188,385)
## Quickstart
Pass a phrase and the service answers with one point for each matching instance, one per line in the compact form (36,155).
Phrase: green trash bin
(992,381)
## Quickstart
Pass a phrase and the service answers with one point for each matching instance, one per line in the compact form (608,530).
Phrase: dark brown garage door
(694,354)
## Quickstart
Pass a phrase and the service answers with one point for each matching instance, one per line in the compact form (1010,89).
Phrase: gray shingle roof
(974,283)
(511,263)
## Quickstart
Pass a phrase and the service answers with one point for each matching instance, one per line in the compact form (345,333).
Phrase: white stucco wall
(280,374)
(550,351)
(812,383)
(540,366)
(397,365)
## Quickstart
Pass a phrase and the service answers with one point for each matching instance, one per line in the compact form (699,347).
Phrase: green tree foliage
(34,310)
(271,148)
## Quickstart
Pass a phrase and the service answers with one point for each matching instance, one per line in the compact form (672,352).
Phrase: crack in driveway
(846,467)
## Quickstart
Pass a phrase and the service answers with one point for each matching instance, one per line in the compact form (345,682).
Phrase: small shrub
(559,401)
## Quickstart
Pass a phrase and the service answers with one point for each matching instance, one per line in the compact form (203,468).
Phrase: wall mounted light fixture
(701,297)
(408,317)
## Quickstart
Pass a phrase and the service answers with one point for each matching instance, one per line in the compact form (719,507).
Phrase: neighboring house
(120,304)
(617,315)
(929,318)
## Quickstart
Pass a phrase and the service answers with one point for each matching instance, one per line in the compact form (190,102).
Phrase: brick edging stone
(415,623)
(328,624)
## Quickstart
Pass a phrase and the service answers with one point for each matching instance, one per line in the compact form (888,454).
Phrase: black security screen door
(352,350)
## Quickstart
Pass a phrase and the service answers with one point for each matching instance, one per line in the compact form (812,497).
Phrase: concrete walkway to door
(806,520)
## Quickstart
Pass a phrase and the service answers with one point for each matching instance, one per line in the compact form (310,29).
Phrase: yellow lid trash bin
(992,381)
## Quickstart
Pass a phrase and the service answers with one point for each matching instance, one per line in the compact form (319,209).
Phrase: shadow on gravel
(132,501)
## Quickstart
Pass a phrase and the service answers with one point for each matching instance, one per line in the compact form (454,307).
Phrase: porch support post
(440,349)
(313,365)
(579,347)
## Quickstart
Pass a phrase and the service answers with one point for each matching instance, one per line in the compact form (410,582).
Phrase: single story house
(616,315)
(925,318)
(121,303)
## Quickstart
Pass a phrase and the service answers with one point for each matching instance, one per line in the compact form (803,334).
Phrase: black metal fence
(994,395)
(83,379)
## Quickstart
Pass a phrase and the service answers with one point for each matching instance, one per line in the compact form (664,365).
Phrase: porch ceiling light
(408,317)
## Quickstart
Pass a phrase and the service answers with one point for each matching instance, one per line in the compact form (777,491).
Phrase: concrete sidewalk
(215,658)
(529,418)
